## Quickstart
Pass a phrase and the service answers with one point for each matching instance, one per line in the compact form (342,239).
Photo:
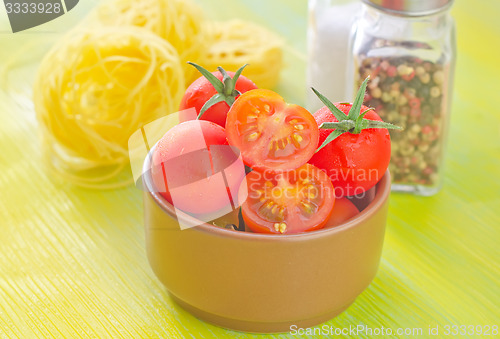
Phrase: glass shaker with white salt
(329,30)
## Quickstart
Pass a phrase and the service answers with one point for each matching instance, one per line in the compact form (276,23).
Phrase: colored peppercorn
(408,92)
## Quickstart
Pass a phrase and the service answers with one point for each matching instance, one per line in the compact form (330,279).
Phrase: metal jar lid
(411,7)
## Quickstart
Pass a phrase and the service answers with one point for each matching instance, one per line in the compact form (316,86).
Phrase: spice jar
(329,29)
(407,47)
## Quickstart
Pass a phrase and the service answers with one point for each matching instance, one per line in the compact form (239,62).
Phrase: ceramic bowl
(260,282)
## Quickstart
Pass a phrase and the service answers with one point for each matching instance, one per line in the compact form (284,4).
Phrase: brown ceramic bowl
(260,282)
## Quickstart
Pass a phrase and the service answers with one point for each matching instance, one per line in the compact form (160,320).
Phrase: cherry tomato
(271,134)
(354,162)
(193,168)
(343,210)
(201,90)
(296,201)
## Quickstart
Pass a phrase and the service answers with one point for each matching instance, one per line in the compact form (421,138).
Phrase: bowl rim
(383,189)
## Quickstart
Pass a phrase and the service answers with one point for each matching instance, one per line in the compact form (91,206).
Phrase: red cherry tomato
(201,90)
(191,168)
(354,162)
(343,210)
(287,202)
(271,134)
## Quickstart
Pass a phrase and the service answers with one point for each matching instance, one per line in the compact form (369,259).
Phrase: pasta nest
(95,88)
(177,21)
(236,42)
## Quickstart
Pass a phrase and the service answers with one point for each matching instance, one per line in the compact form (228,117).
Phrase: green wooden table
(73,262)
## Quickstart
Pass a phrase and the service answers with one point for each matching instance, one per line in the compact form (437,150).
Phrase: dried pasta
(94,89)
(177,21)
(125,66)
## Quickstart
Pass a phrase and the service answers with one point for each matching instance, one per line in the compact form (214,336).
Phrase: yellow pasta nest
(236,42)
(94,89)
(177,21)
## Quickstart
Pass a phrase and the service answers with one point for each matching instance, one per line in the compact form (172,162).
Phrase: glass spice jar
(407,47)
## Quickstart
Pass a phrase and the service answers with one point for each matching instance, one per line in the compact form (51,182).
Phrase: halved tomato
(295,201)
(271,134)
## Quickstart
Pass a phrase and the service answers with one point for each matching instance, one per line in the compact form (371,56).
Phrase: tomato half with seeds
(271,134)
(289,202)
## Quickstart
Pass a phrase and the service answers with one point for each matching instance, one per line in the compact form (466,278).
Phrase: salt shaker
(329,29)
(407,47)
